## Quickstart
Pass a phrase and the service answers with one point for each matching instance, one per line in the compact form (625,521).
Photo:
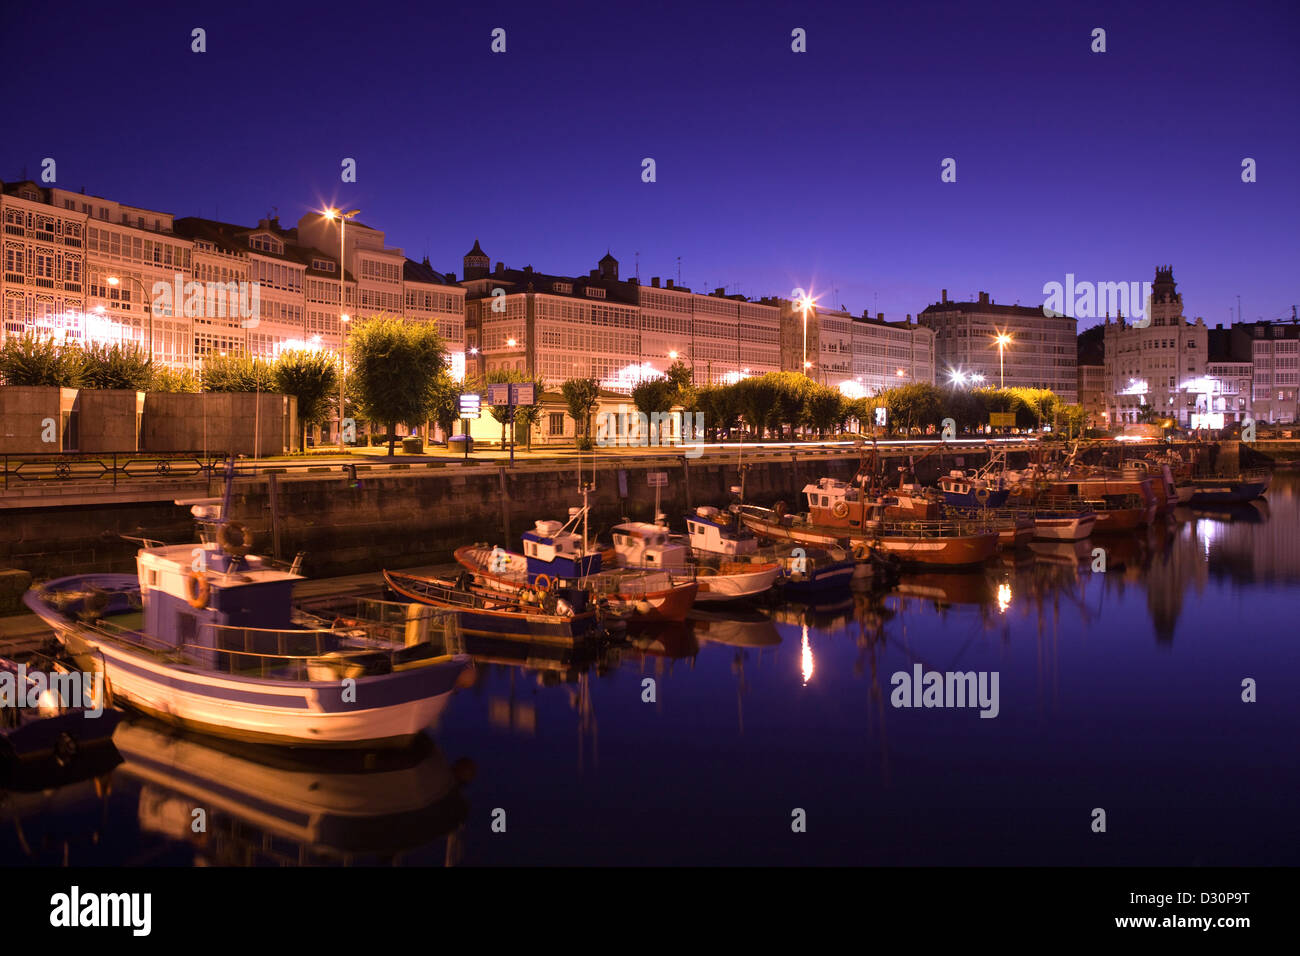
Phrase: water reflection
(1120,659)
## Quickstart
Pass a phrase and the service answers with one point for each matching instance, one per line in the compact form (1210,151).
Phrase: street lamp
(805,303)
(332,214)
(115,281)
(1003,341)
(672,354)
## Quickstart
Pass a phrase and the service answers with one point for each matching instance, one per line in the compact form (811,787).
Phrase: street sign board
(524,393)
(470,405)
(1002,419)
(657,479)
(498,394)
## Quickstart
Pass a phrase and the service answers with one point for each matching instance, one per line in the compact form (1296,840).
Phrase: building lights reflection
(1004,597)
(806,657)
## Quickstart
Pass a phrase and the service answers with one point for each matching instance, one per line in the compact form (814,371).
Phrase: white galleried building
(613,330)
(857,354)
(1160,363)
(61,248)
(1042,352)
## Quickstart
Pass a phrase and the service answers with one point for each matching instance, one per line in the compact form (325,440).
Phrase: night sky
(774,169)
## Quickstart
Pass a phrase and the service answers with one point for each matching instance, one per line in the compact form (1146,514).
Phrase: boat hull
(382,710)
(955,551)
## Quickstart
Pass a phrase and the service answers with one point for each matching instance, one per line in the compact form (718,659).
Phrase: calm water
(1118,690)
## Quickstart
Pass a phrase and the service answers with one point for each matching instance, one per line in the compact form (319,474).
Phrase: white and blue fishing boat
(810,572)
(207,637)
(1228,490)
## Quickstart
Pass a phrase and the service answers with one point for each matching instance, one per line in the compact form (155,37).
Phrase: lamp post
(805,303)
(1003,341)
(342,217)
(116,281)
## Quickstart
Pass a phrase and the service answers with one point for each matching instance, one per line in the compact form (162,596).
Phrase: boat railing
(929,527)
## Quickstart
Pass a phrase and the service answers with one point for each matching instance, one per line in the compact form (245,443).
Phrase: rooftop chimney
(654,281)
(669,284)
(984,298)
(501,268)
(880,316)
(945,295)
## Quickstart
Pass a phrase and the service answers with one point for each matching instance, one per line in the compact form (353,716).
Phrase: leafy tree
(793,392)
(965,408)
(444,402)
(174,380)
(581,395)
(237,373)
(311,377)
(680,377)
(720,405)
(826,408)
(114,366)
(394,364)
(915,405)
(757,401)
(33,360)
(651,396)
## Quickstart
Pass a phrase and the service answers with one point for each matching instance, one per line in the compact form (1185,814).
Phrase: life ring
(537,582)
(981,495)
(197,590)
(840,509)
(861,552)
(233,539)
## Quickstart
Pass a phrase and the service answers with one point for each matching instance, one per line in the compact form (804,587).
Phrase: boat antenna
(230,483)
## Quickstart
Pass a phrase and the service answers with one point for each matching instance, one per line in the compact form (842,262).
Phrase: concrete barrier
(217,423)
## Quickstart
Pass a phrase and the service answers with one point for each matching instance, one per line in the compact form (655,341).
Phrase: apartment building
(1157,366)
(1041,351)
(1274,354)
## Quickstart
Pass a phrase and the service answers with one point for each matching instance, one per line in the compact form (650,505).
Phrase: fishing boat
(52,715)
(555,552)
(208,638)
(842,515)
(811,572)
(1062,520)
(1225,490)
(1122,503)
(559,614)
(972,490)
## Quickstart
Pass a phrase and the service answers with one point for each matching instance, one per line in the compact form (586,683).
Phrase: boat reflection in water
(237,804)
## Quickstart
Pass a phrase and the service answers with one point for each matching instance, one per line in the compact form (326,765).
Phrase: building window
(557,423)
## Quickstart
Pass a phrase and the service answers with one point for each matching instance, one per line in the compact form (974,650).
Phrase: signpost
(511,396)
(470,408)
(1002,419)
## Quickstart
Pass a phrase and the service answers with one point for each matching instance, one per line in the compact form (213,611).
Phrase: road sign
(1002,419)
(498,394)
(470,405)
(523,394)
(657,479)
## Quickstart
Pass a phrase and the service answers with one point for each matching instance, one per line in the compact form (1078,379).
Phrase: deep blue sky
(774,169)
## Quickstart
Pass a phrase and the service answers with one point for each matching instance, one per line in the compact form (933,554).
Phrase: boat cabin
(193,594)
(718,532)
(555,550)
(640,544)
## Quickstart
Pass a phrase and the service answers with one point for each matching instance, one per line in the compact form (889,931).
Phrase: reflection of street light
(114,281)
(1003,341)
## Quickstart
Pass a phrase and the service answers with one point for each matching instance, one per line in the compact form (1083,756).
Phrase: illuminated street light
(342,218)
(1003,340)
(673,355)
(510,343)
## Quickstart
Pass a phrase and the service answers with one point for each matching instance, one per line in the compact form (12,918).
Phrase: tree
(237,373)
(757,401)
(313,379)
(793,392)
(653,396)
(394,364)
(720,405)
(113,366)
(826,408)
(174,380)
(444,403)
(916,405)
(581,395)
(965,408)
(680,377)
(32,360)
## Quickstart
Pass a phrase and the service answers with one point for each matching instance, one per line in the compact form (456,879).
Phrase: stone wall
(220,423)
(108,420)
(31,413)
